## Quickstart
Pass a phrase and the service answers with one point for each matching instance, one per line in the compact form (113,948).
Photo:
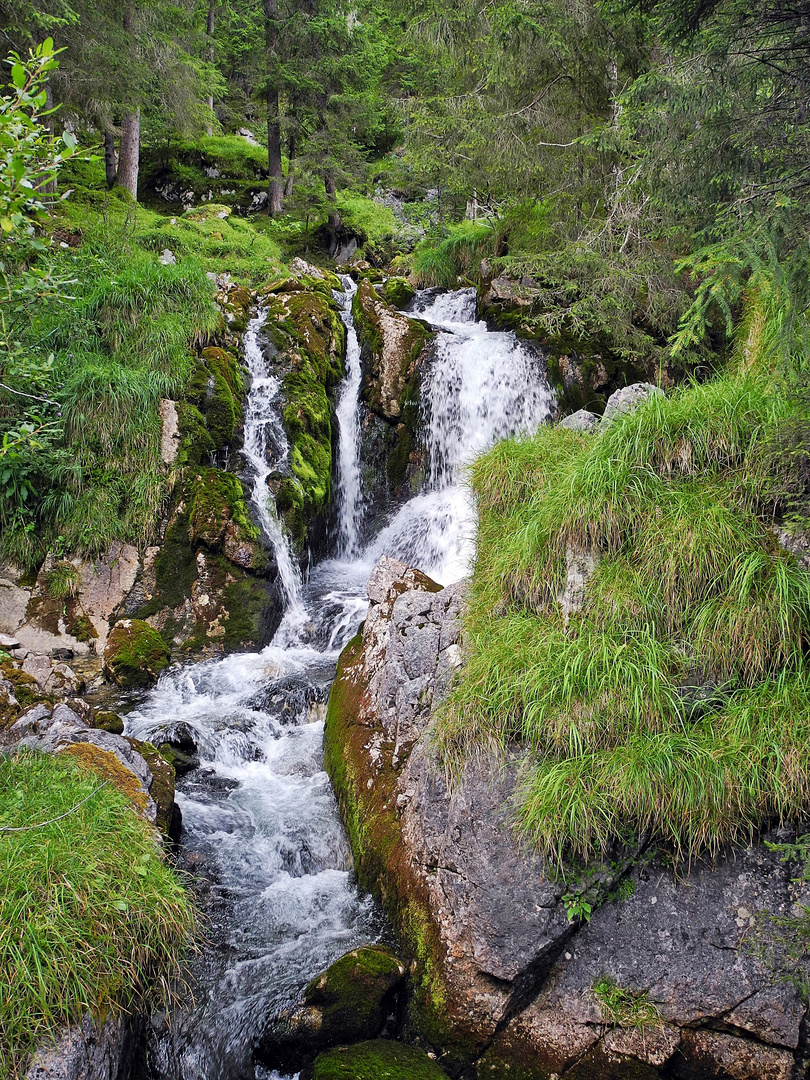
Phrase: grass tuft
(91,916)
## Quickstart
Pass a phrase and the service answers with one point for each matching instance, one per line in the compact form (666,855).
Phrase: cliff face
(508,976)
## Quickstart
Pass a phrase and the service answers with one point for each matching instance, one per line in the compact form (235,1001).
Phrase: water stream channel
(261,828)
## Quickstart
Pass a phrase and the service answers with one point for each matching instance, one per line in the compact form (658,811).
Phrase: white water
(261,824)
(350,497)
(266,449)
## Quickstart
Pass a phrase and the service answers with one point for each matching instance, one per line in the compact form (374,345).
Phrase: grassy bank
(677,700)
(92,917)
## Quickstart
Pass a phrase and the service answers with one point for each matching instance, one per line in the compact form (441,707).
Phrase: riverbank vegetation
(92,917)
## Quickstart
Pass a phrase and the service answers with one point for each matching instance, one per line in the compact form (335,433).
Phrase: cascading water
(266,448)
(350,502)
(261,823)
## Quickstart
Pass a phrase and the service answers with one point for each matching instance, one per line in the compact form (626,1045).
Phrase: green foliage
(371,1060)
(625,1008)
(94,918)
(675,700)
(445,262)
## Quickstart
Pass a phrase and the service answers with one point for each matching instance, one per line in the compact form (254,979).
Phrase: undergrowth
(676,700)
(91,916)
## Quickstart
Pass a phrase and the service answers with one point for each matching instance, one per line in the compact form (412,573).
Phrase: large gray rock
(499,966)
(582,420)
(627,399)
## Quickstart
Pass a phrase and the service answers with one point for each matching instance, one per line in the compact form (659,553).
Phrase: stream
(262,832)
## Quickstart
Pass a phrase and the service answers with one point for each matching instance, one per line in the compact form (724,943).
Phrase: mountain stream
(261,828)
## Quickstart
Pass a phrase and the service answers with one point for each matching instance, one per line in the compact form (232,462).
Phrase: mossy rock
(356,994)
(135,654)
(162,787)
(108,721)
(26,688)
(106,765)
(214,499)
(378,1059)
(399,292)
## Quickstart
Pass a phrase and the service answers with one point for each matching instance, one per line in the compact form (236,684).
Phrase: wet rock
(498,968)
(373,1060)
(627,399)
(582,420)
(398,292)
(135,654)
(89,1050)
(349,1002)
(169,432)
(108,721)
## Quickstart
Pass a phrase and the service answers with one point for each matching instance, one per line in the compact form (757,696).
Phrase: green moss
(175,567)
(196,445)
(379,1059)
(135,654)
(399,292)
(82,629)
(108,721)
(162,789)
(355,994)
(213,499)
(247,601)
(26,687)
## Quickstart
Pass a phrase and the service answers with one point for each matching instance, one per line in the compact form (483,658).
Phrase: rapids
(261,827)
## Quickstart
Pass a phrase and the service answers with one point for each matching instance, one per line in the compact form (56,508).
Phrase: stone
(712,1055)
(135,654)
(627,399)
(497,967)
(167,258)
(39,667)
(108,721)
(9,641)
(582,420)
(90,1050)
(580,565)
(349,1002)
(169,432)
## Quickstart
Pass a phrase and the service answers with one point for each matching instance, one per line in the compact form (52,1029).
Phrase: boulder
(627,399)
(398,292)
(352,1000)
(108,721)
(89,1050)
(375,1060)
(135,654)
(582,420)
(503,979)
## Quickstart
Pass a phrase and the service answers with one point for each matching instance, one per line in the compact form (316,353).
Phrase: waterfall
(480,387)
(350,501)
(261,826)
(265,439)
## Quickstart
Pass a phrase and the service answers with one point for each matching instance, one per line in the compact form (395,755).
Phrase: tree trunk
(129,152)
(129,146)
(288,183)
(275,187)
(110,163)
(209,29)
(331,195)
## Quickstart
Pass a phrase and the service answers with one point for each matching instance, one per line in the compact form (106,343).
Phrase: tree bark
(288,183)
(129,147)
(110,162)
(331,195)
(209,29)
(129,152)
(275,187)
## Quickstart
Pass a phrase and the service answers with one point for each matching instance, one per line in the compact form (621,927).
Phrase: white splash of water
(266,448)
(350,495)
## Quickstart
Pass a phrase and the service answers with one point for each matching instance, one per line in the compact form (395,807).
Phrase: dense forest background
(641,167)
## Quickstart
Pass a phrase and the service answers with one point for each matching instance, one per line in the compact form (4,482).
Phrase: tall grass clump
(92,918)
(445,262)
(674,697)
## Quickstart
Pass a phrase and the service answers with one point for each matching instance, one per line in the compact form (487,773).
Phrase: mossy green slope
(304,326)
(677,700)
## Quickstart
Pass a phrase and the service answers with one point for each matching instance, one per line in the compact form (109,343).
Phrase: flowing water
(261,828)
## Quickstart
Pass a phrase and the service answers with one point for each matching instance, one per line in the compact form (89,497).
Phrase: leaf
(69,139)
(18,75)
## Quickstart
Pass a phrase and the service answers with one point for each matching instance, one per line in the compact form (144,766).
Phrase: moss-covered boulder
(105,720)
(161,789)
(378,1059)
(211,416)
(308,338)
(398,292)
(354,999)
(135,654)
